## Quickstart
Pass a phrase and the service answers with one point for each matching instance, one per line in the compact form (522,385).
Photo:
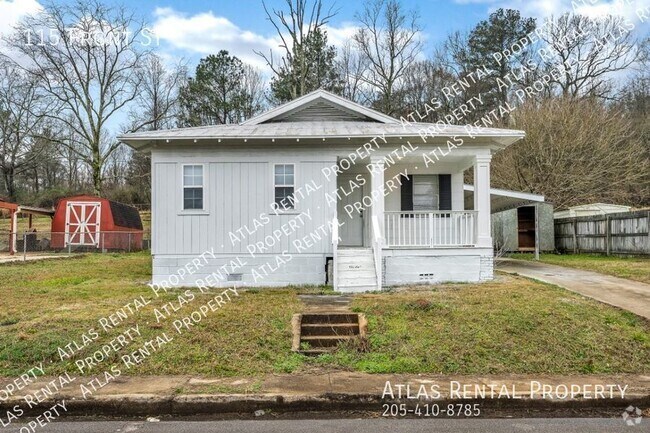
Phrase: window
(284,181)
(192,187)
(426,192)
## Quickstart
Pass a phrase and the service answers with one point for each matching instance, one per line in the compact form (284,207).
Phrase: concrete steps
(355,270)
(320,333)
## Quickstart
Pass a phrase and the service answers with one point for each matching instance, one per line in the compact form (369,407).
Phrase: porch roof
(503,199)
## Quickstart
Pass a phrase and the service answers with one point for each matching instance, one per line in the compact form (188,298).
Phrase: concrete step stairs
(355,268)
(322,332)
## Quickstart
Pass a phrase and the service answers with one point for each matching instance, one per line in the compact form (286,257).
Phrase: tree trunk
(97,173)
(10,183)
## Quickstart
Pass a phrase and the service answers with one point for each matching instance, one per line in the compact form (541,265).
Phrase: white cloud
(339,36)
(545,8)
(206,33)
(12,10)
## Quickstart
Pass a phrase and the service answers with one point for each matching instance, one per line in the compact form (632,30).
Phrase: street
(567,425)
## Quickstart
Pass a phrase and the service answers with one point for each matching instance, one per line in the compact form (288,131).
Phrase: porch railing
(430,229)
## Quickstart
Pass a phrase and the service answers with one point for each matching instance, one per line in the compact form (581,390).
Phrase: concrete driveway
(629,295)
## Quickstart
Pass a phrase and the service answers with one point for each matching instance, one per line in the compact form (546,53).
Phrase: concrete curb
(136,405)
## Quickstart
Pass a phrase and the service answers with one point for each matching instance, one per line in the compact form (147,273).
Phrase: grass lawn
(633,268)
(512,325)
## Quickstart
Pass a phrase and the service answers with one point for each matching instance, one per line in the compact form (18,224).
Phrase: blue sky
(191,29)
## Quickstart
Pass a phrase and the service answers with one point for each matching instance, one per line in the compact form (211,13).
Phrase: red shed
(90,222)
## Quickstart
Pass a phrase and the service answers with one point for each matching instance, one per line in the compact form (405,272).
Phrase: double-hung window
(193,187)
(284,184)
(426,192)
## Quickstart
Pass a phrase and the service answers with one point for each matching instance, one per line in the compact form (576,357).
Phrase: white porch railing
(430,229)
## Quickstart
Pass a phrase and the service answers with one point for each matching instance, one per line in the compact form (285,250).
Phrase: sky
(191,29)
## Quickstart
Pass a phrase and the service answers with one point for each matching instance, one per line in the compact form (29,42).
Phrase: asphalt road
(565,425)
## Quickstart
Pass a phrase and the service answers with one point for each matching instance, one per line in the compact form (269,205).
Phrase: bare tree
(22,117)
(389,41)
(254,87)
(295,28)
(88,61)
(351,66)
(576,150)
(587,51)
(156,103)
(422,91)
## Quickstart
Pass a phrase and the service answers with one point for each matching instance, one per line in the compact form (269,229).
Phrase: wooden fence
(620,233)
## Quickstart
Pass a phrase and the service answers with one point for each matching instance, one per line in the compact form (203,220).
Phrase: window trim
(276,208)
(183,186)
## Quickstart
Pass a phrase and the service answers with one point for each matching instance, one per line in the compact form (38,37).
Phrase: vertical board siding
(235,194)
(626,233)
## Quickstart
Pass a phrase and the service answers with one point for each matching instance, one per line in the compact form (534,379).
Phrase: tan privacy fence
(620,233)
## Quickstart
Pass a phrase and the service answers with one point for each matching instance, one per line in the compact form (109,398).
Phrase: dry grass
(513,325)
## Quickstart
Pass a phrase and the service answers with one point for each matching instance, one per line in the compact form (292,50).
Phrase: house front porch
(406,223)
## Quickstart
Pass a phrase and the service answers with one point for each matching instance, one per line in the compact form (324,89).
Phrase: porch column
(376,168)
(482,200)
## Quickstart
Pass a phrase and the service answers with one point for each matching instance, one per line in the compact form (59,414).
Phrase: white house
(317,184)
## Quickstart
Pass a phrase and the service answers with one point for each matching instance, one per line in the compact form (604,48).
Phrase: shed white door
(351,230)
(82,220)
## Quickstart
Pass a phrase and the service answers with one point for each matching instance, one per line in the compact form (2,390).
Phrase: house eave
(497,141)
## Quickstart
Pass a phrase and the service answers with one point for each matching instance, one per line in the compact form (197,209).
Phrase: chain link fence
(41,242)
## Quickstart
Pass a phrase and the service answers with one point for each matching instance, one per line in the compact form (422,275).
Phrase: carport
(15,209)
(525,209)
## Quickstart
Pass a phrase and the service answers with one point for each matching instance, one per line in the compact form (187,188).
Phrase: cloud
(634,11)
(11,11)
(339,36)
(206,33)
(545,8)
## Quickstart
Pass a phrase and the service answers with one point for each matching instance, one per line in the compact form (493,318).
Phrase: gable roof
(320,105)
(319,115)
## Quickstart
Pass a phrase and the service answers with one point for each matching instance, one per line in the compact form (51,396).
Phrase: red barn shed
(90,222)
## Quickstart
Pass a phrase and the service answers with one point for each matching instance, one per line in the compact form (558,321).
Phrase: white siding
(238,188)
(235,194)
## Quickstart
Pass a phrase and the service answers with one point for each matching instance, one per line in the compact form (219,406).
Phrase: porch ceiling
(503,199)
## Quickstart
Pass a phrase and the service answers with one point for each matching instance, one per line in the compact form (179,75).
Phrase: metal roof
(320,115)
(316,130)
(503,199)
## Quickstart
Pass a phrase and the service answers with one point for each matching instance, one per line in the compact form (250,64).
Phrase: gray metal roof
(315,129)
(320,115)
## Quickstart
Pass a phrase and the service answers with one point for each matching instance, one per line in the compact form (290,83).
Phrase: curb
(136,405)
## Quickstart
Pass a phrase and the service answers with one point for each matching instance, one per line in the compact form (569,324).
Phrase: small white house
(317,184)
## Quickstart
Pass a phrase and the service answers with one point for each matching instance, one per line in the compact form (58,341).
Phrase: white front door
(348,213)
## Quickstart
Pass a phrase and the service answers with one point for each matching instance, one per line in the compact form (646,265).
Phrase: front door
(348,213)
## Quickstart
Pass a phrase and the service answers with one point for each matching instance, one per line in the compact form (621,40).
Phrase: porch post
(13,235)
(482,200)
(377,185)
